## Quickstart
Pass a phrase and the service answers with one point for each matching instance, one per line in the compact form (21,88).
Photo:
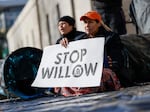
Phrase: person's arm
(114,50)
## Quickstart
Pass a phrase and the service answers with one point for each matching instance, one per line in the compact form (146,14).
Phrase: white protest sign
(78,65)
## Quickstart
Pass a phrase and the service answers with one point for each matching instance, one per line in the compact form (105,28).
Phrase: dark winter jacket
(113,48)
(70,36)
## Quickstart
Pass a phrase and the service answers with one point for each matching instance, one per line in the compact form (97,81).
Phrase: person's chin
(62,33)
(87,32)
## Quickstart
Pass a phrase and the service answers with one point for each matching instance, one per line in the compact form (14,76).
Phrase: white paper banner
(78,65)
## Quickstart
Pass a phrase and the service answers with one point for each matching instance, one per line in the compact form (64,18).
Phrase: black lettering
(65,53)
(71,56)
(59,59)
(46,72)
(60,72)
(56,68)
(90,69)
(67,70)
(83,53)
(77,71)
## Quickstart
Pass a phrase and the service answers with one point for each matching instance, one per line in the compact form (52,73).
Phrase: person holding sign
(95,27)
(66,27)
(113,58)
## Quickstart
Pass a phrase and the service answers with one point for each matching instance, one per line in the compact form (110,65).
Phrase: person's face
(64,27)
(91,26)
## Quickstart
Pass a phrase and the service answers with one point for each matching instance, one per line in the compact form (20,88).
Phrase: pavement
(131,99)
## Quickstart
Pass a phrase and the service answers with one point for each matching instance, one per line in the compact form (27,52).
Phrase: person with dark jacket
(112,14)
(113,60)
(113,45)
(66,27)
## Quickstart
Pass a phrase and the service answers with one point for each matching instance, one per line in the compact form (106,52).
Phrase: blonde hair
(105,26)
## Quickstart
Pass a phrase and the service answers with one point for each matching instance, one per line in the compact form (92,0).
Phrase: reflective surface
(134,99)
